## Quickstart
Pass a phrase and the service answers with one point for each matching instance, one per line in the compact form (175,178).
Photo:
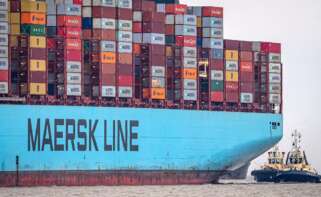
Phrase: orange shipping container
(125,58)
(158,93)
(33,18)
(108,57)
(136,49)
(189,73)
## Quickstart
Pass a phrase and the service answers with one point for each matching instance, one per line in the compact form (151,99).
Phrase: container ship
(122,92)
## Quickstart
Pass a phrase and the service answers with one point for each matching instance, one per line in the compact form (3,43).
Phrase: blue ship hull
(72,145)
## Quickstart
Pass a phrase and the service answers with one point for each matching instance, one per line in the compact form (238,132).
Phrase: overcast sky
(296,24)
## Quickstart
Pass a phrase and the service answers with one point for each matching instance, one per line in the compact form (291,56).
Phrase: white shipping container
(4,40)
(197,11)
(108,91)
(69,9)
(137,16)
(160,7)
(108,23)
(212,22)
(190,84)
(4,28)
(185,20)
(97,23)
(213,43)
(275,88)
(213,33)
(125,4)
(87,2)
(185,30)
(51,20)
(158,71)
(154,38)
(125,25)
(190,52)
(4,5)
(217,75)
(246,97)
(73,66)
(4,16)
(107,46)
(125,92)
(3,87)
(158,82)
(86,12)
(256,46)
(125,47)
(124,36)
(51,7)
(73,90)
(73,78)
(189,62)
(274,78)
(274,57)
(104,3)
(4,51)
(137,38)
(275,99)
(170,19)
(232,65)
(274,67)
(190,95)
(3,63)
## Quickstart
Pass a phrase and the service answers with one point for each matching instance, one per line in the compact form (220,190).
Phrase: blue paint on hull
(167,139)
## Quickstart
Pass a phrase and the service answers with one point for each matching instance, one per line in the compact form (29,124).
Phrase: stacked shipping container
(108,50)
(4,55)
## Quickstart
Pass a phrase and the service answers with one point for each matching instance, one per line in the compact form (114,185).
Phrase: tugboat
(271,169)
(297,167)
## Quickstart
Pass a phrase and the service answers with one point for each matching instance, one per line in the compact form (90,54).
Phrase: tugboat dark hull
(267,175)
(298,177)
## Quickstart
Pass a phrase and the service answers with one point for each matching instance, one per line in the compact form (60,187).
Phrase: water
(221,190)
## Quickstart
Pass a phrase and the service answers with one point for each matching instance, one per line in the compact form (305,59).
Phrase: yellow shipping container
(15,29)
(232,76)
(37,41)
(38,65)
(33,6)
(15,18)
(13,41)
(199,22)
(37,88)
(231,55)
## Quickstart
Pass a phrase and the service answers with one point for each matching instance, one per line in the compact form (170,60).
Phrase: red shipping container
(125,58)
(137,5)
(125,80)
(176,9)
(73,44)
(246,56)
(157,60)
(125,69)
(103,12)
(231,86)
(73,55)
(232,44)
(187,41)
(157,49)
(247,86)
(154,27)
(148,6)
(69,21)
(246,76)
(37,77)
(246,67)
(104,34)
(86,33)
(154,17)
(246,46)
(232,97)
(51,43)
(4,75)
(108,68)
(124,14)
(170,29)
(269,47)
(209,11)
(78,2)
(217,96)
(108,79)
(216,64)
(14,6)
(70,32)
(137,27)
(38,53)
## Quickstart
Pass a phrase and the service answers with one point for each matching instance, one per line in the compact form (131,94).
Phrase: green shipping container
(33,30)
(217,85)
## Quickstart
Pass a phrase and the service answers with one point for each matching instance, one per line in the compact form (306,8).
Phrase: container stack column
(4,49)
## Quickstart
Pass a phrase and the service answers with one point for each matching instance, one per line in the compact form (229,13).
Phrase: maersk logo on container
(81,135)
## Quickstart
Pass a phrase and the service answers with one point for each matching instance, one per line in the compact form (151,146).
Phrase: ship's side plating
(66,145)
